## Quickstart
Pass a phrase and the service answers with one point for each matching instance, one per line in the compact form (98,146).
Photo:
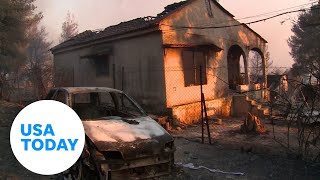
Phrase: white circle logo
(47,137)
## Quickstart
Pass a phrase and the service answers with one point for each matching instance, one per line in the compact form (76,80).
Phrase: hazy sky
(98,14)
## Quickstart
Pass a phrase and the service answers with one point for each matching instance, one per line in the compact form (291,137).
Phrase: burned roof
(122,28)
(127,27)
(170,8)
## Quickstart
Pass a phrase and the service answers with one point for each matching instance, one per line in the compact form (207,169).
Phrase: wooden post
(204,110)
(206,117)
(202,121)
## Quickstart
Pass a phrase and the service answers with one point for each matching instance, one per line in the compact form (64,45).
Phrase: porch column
(246,65)
(265,78)
(265,93)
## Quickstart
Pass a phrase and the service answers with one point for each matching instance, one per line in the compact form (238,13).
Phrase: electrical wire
(267,13)
(272,12)
(239,24)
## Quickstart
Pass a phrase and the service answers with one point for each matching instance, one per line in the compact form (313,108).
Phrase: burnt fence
(156,88)
(298,113)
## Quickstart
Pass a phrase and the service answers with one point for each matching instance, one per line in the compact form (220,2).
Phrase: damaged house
(156,60)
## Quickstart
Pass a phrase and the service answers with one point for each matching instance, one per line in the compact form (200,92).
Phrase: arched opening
(256,66)
(236,67)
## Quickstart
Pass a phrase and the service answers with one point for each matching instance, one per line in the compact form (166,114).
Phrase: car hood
(127,135)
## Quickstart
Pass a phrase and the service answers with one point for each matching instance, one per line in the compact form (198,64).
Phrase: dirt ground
(229,135)
(258,157)
(10,168)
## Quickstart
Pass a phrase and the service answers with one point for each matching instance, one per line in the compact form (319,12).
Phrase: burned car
(122,141)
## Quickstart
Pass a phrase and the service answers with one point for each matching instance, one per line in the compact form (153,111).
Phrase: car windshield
(104,105)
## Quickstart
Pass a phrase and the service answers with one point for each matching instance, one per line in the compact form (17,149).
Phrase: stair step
(259,106)
(248,104)
(263,112)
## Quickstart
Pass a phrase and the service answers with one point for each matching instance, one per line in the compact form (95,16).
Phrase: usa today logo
(47,137)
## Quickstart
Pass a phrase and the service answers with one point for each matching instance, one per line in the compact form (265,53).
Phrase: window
(127,107)
(83,98)
(102,65)
(102,105)
(106,100)
(192,61)
(100,98)
(93,105)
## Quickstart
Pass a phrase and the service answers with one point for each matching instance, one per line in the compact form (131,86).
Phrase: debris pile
(252,124)
(164,121)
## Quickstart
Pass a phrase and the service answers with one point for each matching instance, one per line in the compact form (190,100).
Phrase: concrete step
(251,102)
(263,112)
(259,106)
(243,104)
(259,109)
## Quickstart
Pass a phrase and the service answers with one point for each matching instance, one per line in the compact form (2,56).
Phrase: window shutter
(188,68)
